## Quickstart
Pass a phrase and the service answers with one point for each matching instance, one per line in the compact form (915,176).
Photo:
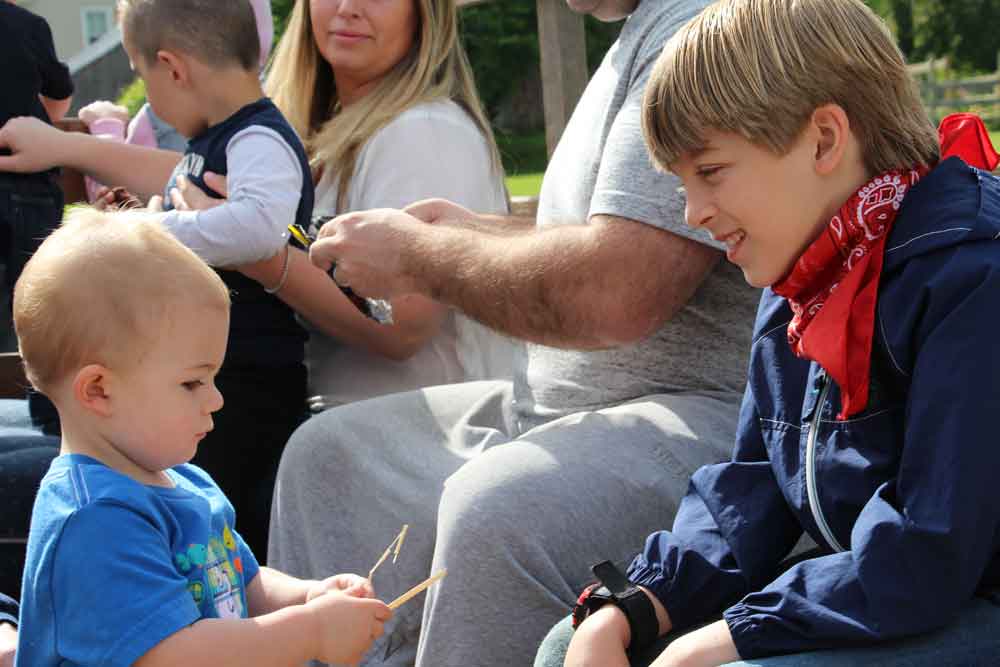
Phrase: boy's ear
(832,130)
(91,389)
(176,66)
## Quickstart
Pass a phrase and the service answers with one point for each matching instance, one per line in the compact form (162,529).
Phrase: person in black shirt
(35,84)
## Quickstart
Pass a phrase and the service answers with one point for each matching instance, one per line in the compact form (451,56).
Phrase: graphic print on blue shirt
(214,573)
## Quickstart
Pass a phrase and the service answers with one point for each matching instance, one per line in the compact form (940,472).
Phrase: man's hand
(8,644)
(369,249)
(436,211)
(350,584)
(709,646)
(601,640)
(35,145)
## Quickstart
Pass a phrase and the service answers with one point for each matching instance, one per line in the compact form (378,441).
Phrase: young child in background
(868,418)
(134,557)
(200,61)
(111,121)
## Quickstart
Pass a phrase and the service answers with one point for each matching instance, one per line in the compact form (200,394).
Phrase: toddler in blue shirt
(133,556)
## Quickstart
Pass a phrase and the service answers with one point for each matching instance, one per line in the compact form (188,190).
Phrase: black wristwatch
(614,588)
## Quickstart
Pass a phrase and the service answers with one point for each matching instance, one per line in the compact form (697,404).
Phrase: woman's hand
(709,646)
(189,197)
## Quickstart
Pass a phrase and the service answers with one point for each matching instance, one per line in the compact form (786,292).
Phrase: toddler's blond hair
(100,289)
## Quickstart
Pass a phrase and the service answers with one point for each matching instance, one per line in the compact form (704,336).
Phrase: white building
(75,24)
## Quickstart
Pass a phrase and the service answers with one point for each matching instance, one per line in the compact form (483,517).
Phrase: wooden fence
(943,95)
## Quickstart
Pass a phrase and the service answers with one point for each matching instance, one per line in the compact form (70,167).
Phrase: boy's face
(767,209)
(162,407)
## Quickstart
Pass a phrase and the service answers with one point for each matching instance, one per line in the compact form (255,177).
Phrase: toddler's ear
(91,389)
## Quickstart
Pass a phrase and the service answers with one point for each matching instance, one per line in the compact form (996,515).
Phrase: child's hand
(36,146)
(705,647)
(600,640)
(349,584)
(102,109)
(346,625)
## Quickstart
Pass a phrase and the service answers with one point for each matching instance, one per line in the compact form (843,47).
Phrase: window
(96,22)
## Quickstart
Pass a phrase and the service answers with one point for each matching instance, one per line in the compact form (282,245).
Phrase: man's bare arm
(608,283)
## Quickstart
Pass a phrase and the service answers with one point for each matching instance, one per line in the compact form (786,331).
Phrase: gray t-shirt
(601,166)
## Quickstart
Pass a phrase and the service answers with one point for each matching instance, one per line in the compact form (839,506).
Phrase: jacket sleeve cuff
(652,577)
(746,632)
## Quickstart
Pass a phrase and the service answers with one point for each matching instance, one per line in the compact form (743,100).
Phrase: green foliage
(963,30)
(501,39)
(522,153)
(133,97)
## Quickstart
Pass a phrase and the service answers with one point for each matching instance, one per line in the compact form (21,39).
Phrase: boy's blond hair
(100,289)
(759,68)
(216,32)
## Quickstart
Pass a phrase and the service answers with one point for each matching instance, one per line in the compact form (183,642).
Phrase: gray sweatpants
(517,526)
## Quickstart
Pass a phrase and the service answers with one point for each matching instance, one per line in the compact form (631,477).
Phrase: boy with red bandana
(868,421)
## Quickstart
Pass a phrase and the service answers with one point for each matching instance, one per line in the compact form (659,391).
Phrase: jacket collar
(946,208)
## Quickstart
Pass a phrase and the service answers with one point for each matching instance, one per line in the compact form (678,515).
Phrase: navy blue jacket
(903,497)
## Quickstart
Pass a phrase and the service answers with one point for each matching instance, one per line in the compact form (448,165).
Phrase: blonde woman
(383,96)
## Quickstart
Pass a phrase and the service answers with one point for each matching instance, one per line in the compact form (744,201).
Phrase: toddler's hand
(103,109)
(349,584)
(346,626)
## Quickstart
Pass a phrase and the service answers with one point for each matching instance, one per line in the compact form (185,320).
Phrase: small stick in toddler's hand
(416,590)
(397,544)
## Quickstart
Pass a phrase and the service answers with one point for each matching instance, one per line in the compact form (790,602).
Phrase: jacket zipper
(812,489)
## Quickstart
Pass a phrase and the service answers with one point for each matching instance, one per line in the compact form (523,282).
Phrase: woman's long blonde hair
(301,84)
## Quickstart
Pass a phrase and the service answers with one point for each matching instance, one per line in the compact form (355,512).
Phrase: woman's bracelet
(284,275)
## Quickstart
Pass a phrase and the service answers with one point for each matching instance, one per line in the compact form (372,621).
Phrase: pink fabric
(140,130)
(265,28)
(109,129)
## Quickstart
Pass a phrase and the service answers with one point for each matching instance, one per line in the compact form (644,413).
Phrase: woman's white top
(431,150)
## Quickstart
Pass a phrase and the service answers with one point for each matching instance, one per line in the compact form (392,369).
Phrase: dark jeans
(25,455)
(31,207)
(262,408)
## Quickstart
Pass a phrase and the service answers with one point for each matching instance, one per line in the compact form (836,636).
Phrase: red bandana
(833,287)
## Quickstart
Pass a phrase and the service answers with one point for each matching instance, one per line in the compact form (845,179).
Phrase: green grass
(524,159)
(526,185)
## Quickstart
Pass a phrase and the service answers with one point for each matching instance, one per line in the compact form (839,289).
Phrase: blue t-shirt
(114,566)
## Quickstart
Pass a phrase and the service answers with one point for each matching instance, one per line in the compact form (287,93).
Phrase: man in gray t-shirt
(630,380)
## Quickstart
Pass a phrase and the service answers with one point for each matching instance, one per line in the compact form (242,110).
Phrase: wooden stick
(396,543)
(399,544)
(416,590)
